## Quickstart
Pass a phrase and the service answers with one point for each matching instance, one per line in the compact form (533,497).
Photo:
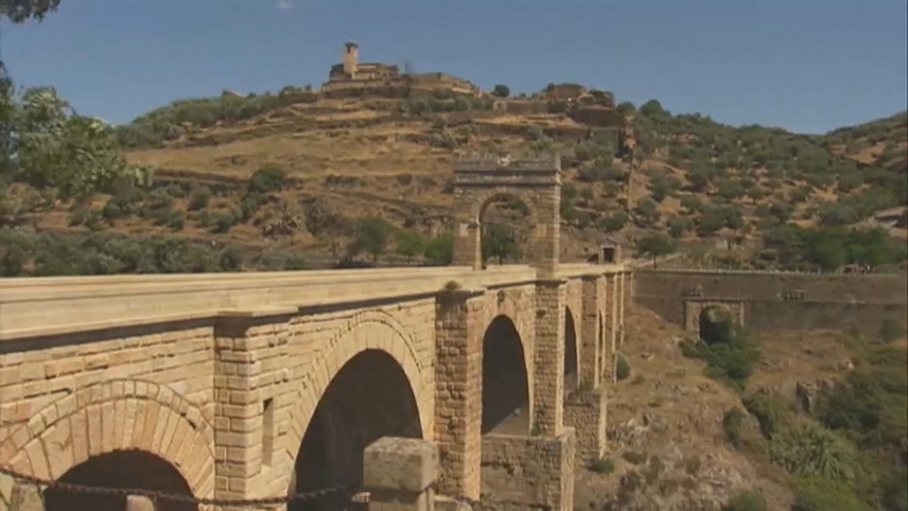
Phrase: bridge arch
(369,384)
(505,384)
(90,436)
(571,352)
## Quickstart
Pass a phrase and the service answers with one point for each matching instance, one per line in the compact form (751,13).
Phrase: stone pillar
(139,503)
(622,303)
(399,473)
(611,326)
(546,246)
(585,412)
(458,398)
(548,358)
(238,422)
(467,243)
(589,371)
(25,497)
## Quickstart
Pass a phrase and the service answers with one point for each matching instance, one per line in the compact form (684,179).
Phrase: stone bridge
(254,385)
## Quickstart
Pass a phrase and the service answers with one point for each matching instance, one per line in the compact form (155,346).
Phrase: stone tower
(351,56)
(534,180)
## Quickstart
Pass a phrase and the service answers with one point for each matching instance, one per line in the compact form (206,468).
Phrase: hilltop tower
(351,57)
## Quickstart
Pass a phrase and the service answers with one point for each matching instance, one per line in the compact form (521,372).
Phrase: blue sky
(805,65)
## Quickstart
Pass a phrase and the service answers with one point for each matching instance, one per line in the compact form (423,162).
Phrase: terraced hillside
(298,173)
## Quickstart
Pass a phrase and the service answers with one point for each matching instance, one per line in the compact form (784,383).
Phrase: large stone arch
(536,182)
(110,417)
(506,387)
(369,397)
(571,370)
(366,331)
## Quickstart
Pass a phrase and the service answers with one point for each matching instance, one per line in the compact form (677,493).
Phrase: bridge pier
(458,400)
(585,408)
(244,464)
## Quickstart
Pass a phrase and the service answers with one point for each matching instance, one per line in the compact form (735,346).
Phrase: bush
(770,413)
(199,199)
(729,356)
(813,451)
(732,425)
(819,494)
(602,466)
(622,368)
(634,457)
(748,500)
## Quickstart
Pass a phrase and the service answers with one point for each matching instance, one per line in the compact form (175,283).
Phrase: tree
(501,91)
(652,108)
(371,236)
(19,11)
(440,249)
(655,245)
(626,108)
(55,147)
(679,225)
(498,242)
(409,244)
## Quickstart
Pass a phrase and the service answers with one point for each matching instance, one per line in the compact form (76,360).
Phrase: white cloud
(284,4)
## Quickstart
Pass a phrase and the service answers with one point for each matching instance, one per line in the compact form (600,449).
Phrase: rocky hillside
(807,421)
(274,174)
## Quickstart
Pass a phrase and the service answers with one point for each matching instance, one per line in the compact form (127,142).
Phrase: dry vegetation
(675,441)
(331,163)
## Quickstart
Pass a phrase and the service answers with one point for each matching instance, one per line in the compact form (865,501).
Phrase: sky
(803,65)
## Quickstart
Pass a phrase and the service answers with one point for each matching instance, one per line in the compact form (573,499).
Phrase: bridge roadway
(249,385)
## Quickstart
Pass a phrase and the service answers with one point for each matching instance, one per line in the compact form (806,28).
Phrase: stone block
(139,503)
(400,464)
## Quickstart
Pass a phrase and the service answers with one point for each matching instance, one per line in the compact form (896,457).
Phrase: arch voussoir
(369,333)
(114,416)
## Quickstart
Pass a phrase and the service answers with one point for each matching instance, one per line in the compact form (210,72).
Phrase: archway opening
(717,325)
(571,374)
(505,386)
(369,398)
(119,469)
(505,224)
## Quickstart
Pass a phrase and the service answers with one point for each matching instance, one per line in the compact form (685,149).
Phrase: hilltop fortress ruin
(351,77)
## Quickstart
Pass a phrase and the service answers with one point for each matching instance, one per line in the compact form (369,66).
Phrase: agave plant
(813,451)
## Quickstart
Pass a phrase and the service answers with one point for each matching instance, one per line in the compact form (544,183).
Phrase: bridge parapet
(50,306)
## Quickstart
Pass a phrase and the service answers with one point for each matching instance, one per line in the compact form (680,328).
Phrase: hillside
(298,171)
(807,421)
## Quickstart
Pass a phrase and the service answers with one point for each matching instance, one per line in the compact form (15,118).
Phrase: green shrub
(199,199)
(748,500)
(819,494)
(602,466)
(770,412)
(813,451)
(622,368)
(634,457)
(732,425)
(890,330)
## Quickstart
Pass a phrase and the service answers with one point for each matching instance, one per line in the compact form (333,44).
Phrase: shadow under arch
(370,397)
(119,469)
(505,386)
(716,325)
(571,357)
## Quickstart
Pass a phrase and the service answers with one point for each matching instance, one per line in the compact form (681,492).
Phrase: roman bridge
(255,385)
